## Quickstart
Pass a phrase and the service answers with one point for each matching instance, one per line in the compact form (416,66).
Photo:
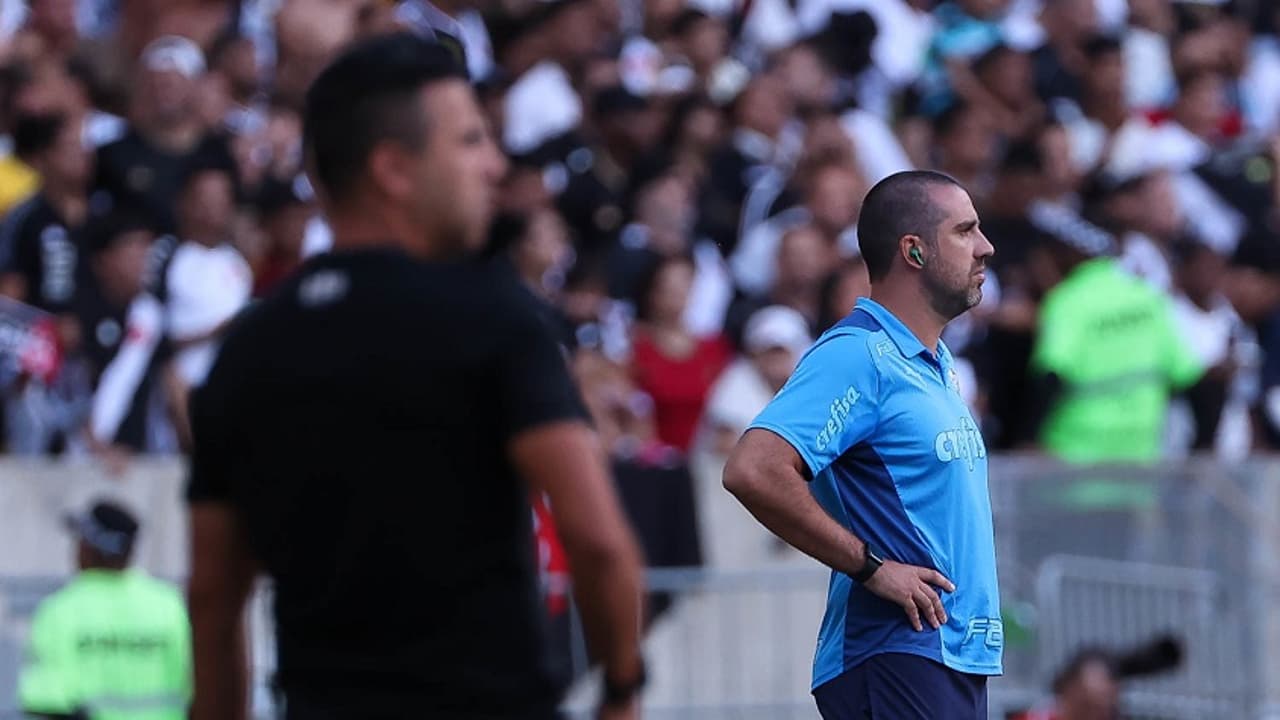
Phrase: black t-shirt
(36,243)
(133,173)
(358,419)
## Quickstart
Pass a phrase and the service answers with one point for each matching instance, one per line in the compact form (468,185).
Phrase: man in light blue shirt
(898,504)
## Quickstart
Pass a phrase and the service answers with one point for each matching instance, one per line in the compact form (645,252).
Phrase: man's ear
(390,170)
(910,247)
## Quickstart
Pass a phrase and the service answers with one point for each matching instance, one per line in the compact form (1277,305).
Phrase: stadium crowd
(685,179)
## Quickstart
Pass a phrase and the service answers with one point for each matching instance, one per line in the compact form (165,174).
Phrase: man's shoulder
(385,285)
(32,212)
(859,337)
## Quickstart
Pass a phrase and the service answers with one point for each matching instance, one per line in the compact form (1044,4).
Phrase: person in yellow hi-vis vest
(114,644)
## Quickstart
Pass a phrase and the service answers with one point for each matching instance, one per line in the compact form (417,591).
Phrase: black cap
(106,527)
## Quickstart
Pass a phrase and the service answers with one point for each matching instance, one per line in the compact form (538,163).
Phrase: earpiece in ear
(915,255)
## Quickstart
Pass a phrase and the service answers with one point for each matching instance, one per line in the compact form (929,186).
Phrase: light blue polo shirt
(896,457)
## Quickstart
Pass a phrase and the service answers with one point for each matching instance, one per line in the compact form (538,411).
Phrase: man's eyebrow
(967,224)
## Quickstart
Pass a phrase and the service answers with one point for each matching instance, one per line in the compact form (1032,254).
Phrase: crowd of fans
(683,193)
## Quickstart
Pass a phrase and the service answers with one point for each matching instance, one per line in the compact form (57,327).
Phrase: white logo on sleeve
(962,443)
(841,405)
(991,629)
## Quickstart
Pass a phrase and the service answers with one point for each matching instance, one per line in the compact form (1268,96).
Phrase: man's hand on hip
(913,588)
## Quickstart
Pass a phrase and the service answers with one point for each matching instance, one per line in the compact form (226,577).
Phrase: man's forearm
(779,498)
(609,593)
(221,668)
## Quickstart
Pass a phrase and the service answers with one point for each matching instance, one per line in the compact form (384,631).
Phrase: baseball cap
(106,527)
(777,326)
(176,53)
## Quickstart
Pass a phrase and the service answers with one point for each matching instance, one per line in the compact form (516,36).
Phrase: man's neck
(908,303)
(371,229)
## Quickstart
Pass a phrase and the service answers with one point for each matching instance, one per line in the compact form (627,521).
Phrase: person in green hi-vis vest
(1107,354)
(115,643)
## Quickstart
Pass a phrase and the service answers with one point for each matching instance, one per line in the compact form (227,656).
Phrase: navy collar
(908,344)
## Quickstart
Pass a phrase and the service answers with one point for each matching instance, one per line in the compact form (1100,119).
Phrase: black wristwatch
(616,693)
(871,562)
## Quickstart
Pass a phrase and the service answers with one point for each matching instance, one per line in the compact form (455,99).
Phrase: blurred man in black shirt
(144,169)
(40,238)
(371,431)
(41,265)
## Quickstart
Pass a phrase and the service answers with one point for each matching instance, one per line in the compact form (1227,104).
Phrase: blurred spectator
(144,169)
(558,37)
(1006,76)
(841,290)
(1143,213)
(50,32)
(18,180)
(965,30)
(675,367)
(124,327)
(234,60)
(113,639)
(774,339)
(805,257)
(661,227)
(307,34)
(758,115)
(1088,685)
(202,284)
(701,40)
(1222,344)
(1061,63)
(694,129)
(1107,353)
(284,208)
(965,145)
(41,264)
(1086,689)
(830,190)
(1103,107)
(40,239)
(600,175)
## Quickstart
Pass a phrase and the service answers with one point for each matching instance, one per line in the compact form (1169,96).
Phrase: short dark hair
(1075,667)
(36,133)
(106,230)
(898,205)
(366,96)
